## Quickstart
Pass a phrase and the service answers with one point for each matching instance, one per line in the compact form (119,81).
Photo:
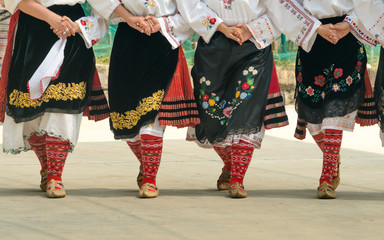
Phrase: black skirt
(231,87)
(140,72)
(66,94)
(379,89)
(330,78)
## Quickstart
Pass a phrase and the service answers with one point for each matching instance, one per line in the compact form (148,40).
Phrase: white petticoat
(154,129)
(345,123)
(60,125)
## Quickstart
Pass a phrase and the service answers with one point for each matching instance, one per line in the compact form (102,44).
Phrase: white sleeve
(263,31)
(175,29)
(104,8)
(11,5)
(200,17)
(290,17)
(93,28)
(367,20)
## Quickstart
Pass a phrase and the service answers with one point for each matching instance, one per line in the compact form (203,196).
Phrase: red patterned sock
(39,147)
(319,139)
(241,158)
(332,145)
(57,152)
(225,155)
(151,149)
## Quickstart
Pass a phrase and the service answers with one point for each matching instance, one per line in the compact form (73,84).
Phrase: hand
(140,24)
(61,27)
(71,32)
(154,23)
(328,33)
(342,29)
(233,33)
(245,32)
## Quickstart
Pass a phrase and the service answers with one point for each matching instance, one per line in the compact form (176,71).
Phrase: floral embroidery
(357,31)
(332,81)
(57,92)
(150,3)
(209,22)
(222,109)
(88,25)
(338,73)
(130,119)
(319,80)
(228,4)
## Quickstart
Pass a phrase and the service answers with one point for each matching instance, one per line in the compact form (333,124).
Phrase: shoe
(148,190)
(326,191)
(43,181)
(224,180)
(55,189)
(140,176)
(236,190)
(336,175)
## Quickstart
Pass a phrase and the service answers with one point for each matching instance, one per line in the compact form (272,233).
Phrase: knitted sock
(151,149)
(319,139)
(39,147)
(332,145)
(57,152)
(241,158)
(136,149)
(225,155)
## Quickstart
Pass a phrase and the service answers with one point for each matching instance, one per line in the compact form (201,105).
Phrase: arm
(200,17)
(35,9)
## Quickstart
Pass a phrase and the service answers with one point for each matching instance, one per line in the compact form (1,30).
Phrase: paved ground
(102,198)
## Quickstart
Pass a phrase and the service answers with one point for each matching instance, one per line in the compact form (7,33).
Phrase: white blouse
(173,25)
(93,28)
(266,19)
(364,16)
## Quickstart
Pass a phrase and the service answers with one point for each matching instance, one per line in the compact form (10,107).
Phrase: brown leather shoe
(55,189)
(224,180)
(148,190)
(236,190)
(326,191)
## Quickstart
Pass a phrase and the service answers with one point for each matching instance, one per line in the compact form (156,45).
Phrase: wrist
(222,27)
(52,18)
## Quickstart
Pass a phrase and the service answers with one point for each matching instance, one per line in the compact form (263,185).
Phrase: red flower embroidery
(338,73)
(310,91)
(320,80)
(212,21)
(349,80)
(93,42)
(245,86)
(300,78)
(83,22)
(205,97)
(359,66)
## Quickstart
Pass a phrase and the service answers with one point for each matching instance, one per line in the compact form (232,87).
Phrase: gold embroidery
(130,119)
(58,92)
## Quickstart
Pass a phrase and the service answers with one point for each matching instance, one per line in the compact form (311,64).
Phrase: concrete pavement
(102,203)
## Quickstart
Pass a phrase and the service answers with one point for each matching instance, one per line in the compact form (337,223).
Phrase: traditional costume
(237,100)
(47,83)
(333,89)
(142,96)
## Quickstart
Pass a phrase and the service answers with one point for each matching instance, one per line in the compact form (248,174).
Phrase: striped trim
(275,115)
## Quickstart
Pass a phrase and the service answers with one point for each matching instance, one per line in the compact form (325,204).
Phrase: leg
(57,152)
(225,154)
(241,158)
(332,145)
(136,149)
(39,147)
(151,150)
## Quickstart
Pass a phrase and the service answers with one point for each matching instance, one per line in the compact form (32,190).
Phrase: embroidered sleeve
(104,8)
(263,31)
(290,17)
(11,5)
(371,15)
(175,29)
(93,28)
(200,17)
(359,31)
